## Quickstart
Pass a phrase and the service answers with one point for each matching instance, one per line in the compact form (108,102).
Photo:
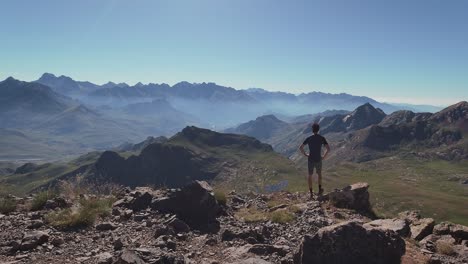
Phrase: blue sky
(399,51)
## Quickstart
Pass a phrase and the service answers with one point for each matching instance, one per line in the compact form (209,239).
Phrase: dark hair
(315,128)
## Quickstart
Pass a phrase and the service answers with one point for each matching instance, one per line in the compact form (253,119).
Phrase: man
(315,157)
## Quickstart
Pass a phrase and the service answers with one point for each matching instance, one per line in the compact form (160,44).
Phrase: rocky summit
(194,224)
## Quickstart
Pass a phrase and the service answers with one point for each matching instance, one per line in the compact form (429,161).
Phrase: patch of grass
(281,216)
(41,198)
(273,203)
(7,205)
(294,209)
(83,216)
(220,196)
(252,215)
(444,248)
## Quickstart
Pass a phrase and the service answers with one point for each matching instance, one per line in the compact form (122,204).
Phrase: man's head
(315,128)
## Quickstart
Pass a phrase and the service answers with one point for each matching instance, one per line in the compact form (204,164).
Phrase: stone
(266,250)
(34,224)
(129,257)
(251,261)
(243,233)
(163,231)
(400,226)
(211,241)
(33,239)
(421,228)
(142,198)
(118,244)
(457,231)
(106,226)
(178,225)
(350,242)
(195,204)
(169,258)
(57,241)
(410,216)
(104,258)
(57,202)
(355,196)
(165,242)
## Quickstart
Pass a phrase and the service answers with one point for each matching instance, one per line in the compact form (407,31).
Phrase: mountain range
(368,133)
(199,99)
(72,117)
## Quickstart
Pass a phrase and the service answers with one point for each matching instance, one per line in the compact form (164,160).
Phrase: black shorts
(314,164)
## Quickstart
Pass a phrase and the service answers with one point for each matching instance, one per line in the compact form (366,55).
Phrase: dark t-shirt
(315,143)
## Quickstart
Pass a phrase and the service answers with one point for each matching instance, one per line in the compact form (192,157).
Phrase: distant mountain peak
(10,79)
(47,75)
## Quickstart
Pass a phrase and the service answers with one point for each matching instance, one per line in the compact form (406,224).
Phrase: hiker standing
(315,157)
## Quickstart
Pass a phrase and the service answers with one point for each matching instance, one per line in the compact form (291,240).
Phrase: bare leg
(320,183)
(309,181)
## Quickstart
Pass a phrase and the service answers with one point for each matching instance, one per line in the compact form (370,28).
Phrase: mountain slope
(22,103)
(261,128)
(440,135)
(228,160)
(15,145)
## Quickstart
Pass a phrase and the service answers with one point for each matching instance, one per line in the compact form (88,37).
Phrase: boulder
(457,231)
(355,196)
(195,204)
(421,228)
(129,257)
(400,226)
(350,242)
(137,200)
(33,239)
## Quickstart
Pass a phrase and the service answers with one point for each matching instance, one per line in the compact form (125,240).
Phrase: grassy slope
(398,184)
(20,184)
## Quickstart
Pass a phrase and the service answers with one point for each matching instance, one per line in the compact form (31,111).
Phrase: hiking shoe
(311,196)
(320,192)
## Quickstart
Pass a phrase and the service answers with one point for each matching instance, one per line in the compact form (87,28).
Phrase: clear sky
(413,51)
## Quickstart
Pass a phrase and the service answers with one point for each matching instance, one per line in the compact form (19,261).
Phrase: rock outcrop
(195,204)
(350,242)
(355,196)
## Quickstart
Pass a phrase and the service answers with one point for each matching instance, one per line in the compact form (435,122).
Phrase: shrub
(281,216)
(444,248)
(73,188)
(83,216)
(40,199)
(220,197)
(7,205)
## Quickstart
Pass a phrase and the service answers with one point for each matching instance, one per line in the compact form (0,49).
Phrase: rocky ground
(193,226)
